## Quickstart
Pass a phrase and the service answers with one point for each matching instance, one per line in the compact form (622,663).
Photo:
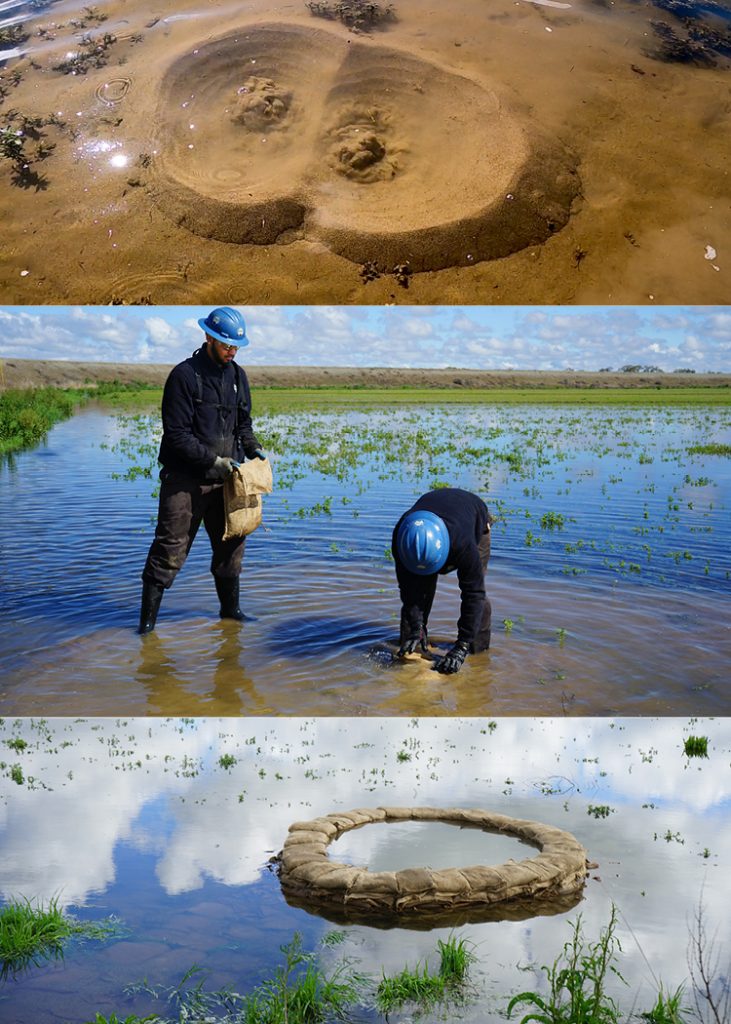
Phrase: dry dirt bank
(30,373)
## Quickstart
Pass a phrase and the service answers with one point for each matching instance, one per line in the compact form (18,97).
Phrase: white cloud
(584,338)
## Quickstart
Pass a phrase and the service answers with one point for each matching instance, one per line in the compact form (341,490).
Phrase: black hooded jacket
(466,518)
(206,412)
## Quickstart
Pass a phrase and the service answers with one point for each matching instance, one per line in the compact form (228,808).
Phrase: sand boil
(307,873)
(502,152)
(250,153)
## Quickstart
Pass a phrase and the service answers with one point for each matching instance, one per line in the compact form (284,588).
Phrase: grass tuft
(30,935)
(425,989)
(696,746)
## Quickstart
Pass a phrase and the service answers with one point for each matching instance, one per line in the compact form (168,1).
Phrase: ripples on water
(609,575)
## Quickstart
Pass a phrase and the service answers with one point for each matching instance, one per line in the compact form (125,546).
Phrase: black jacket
(206,411)
(466,518)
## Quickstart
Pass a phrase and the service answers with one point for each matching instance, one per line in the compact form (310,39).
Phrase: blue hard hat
(422,543)
(227,325)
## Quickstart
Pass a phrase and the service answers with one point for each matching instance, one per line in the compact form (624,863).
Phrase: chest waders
(191,504)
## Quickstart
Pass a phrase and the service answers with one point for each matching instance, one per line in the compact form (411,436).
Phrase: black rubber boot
(228,595)
(151,598)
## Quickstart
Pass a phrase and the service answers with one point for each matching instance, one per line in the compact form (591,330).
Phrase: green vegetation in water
(668,1009)
(599,810)
(710,449)
(27,415)
(577,982)
(227,760)
(423,987)
(299,992)
(696,746)
(31,934)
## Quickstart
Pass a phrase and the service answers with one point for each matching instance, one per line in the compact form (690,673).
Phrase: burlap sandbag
(242,492)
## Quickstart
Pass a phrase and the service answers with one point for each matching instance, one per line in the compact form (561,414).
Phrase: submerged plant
(299,992)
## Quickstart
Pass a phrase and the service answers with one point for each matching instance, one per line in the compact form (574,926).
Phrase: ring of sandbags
(308,875)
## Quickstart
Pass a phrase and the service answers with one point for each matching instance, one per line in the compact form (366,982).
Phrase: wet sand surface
(508,152)
(312,659)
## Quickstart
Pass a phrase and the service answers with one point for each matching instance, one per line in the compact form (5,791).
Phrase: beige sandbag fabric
(305,870)
(242,492)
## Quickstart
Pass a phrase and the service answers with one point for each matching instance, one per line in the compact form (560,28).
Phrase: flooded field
(178,821)
(518,151)
(609,574)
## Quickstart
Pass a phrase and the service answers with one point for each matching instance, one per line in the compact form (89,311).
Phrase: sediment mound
(284,131)
(309,878)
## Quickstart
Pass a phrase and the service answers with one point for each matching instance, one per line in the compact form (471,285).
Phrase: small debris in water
(24,273)
(710,253)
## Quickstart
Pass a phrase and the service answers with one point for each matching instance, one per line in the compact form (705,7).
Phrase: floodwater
(512,151)
(609,575)
(141,819)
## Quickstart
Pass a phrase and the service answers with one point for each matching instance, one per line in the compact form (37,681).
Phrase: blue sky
(484,337)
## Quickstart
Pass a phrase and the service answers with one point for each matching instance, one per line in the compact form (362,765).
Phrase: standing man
(206,423)
(445,530)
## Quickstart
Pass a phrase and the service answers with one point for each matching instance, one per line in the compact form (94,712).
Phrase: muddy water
(616,157)
(618,602)
(176,845)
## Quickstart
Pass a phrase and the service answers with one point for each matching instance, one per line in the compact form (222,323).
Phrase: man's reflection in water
(222,687)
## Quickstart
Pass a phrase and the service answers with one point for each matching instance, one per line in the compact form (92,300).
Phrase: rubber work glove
(223,467)
(420,639)
(453,659)
(258,454)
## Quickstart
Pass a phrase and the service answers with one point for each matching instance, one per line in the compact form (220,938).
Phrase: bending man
(445,530)
(206,422)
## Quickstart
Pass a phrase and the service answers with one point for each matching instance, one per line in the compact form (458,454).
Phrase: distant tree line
(639,368)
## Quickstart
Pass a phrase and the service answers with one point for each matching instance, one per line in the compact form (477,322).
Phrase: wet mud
(213,154)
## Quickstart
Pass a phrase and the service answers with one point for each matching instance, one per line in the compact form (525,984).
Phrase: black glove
(223,467)
(258,454)
(408,646)
(453,659)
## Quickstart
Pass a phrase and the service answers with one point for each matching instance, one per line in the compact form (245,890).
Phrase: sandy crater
(282,131)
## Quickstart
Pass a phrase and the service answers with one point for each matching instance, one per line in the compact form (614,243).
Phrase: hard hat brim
(239,342)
